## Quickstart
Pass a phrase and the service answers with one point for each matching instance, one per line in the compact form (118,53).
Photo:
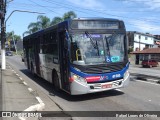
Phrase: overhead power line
(97,11)
(43,6)
(84,10)
(55,7)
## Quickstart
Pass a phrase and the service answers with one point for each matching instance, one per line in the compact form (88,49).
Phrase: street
(154,71)
(138,96)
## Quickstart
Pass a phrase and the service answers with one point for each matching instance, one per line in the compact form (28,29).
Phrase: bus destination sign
(94,25)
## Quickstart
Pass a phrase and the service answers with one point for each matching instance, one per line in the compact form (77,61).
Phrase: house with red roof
(146,54)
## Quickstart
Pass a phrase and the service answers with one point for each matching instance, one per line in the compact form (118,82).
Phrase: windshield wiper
(107,43)
(95,45)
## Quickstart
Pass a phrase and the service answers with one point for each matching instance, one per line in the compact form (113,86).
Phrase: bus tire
(55,80)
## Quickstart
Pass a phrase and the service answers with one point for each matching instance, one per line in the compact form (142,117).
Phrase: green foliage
(44,22)
(17,37)
(130,49)
(68,15)
(56,20)
(11,35)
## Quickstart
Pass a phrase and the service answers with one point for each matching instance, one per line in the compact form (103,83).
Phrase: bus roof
(90,18)
(97,18)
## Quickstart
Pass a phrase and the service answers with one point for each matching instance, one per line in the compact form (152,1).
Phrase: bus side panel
(64,56)
(36,53)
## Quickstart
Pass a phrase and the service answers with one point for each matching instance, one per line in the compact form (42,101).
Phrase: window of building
(146,38)
(139,37)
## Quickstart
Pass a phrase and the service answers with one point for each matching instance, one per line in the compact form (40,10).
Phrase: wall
(136,45)
(143,39)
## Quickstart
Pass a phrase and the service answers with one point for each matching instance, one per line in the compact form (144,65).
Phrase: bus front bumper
(78,88)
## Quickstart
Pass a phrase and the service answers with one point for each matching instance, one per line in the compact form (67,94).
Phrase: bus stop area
(17,97)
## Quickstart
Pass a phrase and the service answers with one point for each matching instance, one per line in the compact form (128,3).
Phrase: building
(157,40)
(147,54)
(157,37)
(139,41)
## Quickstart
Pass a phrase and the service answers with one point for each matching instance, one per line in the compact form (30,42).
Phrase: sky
(138,15)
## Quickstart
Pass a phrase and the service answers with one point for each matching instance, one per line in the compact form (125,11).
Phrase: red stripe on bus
(93,78)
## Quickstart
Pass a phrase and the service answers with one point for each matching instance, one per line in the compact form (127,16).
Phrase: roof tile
(147,51)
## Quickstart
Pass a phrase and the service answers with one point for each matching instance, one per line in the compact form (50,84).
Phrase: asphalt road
(138,96)
(154,71)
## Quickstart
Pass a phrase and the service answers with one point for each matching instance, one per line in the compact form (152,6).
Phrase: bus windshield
(97,48)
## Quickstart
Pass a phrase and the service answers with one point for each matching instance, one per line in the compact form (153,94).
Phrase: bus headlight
(126,74)
(77,78)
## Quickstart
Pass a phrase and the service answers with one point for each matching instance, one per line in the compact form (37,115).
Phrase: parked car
(9,53)
(149,63)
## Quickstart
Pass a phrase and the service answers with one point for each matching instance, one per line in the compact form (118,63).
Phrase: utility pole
(3,11)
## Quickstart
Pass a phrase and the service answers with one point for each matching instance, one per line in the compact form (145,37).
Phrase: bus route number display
(95,25)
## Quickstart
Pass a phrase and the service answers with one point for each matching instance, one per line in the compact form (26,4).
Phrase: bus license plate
(107,86)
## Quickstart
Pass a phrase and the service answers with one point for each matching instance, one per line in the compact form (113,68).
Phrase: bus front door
(64,58)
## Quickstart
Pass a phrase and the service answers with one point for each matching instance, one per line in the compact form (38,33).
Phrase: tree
(12,40)
(27,33)
(70,14)
(56,20)
(66,15)
(33,27)
(10,35)
(43,21)
(17,37)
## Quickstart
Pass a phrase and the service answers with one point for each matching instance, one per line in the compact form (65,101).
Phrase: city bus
(80,55)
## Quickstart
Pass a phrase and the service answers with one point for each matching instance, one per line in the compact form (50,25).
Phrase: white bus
(80,56)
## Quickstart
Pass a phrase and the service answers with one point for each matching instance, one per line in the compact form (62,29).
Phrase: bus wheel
(56,81)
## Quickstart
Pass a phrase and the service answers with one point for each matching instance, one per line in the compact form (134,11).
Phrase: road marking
(25,83)
(30,89)
(17,75)
(152,80)
(38,107)
(148,82)
(119,90)
(39,99)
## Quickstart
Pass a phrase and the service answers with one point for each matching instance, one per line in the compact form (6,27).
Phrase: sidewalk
(17,96)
